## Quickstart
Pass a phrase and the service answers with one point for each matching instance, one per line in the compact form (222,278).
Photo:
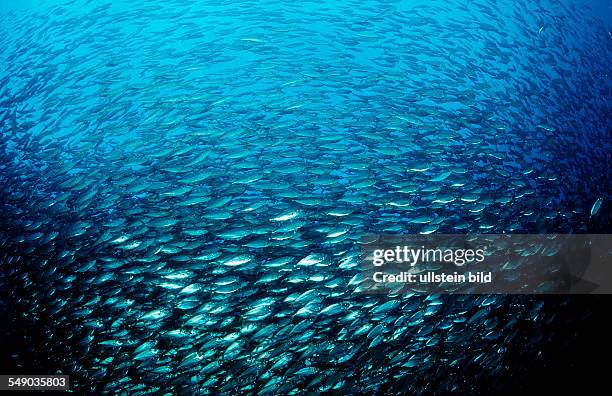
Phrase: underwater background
(184,184)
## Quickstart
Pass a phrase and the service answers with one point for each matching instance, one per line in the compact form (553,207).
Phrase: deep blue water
(184,185)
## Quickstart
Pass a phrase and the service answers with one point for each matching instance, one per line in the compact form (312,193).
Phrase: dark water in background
(183,185)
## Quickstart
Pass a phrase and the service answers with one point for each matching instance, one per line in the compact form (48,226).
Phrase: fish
(185,187)
(596,206)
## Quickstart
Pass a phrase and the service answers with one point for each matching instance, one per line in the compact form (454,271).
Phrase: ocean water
(184,184)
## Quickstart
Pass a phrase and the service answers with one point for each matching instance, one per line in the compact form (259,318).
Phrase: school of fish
(184,185)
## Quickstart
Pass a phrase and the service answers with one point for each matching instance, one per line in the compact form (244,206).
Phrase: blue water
(184,185)
(600,8)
